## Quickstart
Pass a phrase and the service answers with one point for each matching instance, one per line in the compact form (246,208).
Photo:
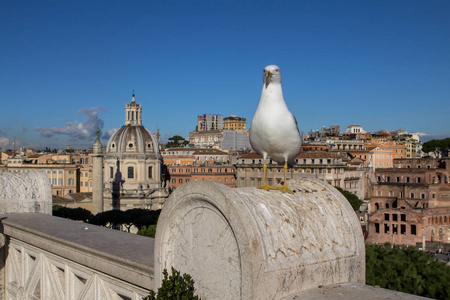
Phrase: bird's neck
(273,92)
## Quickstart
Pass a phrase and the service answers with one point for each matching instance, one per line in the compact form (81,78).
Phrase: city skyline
(69,67)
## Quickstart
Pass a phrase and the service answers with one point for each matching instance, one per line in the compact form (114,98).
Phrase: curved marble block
(247,243)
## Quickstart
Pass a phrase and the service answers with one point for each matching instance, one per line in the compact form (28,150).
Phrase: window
(422,196)
(150,172)
(81,183)
(377,206)
(394,229)
(130,172)
(81,174)
(86,161)
(174,180)
(53,181)
(377,228)
(407,179)
(70,181)
(394,218)
(402,229)
(386,217)
(412,195)
(60,181)
(180,180)
(111,172)
(413,230)
(386,228)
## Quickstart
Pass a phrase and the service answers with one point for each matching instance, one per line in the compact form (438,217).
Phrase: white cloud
(109,133)
(85,130)
(4,142)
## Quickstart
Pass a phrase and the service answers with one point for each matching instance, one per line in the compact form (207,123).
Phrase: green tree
(131,215)
(77,214)
(175,287)
(110,218)
(176,141)
(407,270)
(148,231)
(436,144)
(352,198)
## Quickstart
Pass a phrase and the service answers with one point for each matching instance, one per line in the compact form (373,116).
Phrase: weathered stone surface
(251,244)
(351,292)
(120,255)
(24,192)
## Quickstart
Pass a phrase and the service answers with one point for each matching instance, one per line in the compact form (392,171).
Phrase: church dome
(132,138)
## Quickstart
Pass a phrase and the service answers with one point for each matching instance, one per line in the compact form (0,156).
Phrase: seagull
(274,131)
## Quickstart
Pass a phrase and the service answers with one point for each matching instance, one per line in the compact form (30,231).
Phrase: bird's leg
(265,186)
(284,188)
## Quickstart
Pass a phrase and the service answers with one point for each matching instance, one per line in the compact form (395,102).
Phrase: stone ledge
(118,254)
(351,292)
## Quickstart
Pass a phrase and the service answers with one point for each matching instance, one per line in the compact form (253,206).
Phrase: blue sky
(68,67)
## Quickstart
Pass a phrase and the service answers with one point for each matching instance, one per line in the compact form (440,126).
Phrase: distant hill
(433,144)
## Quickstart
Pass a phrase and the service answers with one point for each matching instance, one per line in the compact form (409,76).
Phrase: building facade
(132,166)
(410,203)
(234,123)
(207,122)
(325,166)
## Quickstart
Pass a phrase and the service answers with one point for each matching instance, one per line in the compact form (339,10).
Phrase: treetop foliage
(138,217)
(175,287)
(436,144)
(407,270)
(176,141)
(352,198)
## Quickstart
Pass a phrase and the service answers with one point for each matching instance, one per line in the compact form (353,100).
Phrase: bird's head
(272,74)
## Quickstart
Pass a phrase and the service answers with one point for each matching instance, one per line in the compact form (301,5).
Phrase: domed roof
(132,139)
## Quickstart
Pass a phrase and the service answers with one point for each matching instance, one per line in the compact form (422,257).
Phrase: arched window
(377,206)
(130,172)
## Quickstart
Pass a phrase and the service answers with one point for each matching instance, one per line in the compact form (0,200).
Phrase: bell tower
(133,113)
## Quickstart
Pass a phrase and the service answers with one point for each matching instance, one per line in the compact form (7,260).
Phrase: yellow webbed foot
(284,188)
(266,187)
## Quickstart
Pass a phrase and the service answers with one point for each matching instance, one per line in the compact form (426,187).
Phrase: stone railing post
(246,243)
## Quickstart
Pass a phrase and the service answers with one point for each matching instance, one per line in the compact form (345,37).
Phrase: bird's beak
(267,78)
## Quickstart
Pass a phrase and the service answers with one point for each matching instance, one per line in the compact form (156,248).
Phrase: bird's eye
(277,70)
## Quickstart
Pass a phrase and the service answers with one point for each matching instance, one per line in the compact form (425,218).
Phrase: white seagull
(274,133)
